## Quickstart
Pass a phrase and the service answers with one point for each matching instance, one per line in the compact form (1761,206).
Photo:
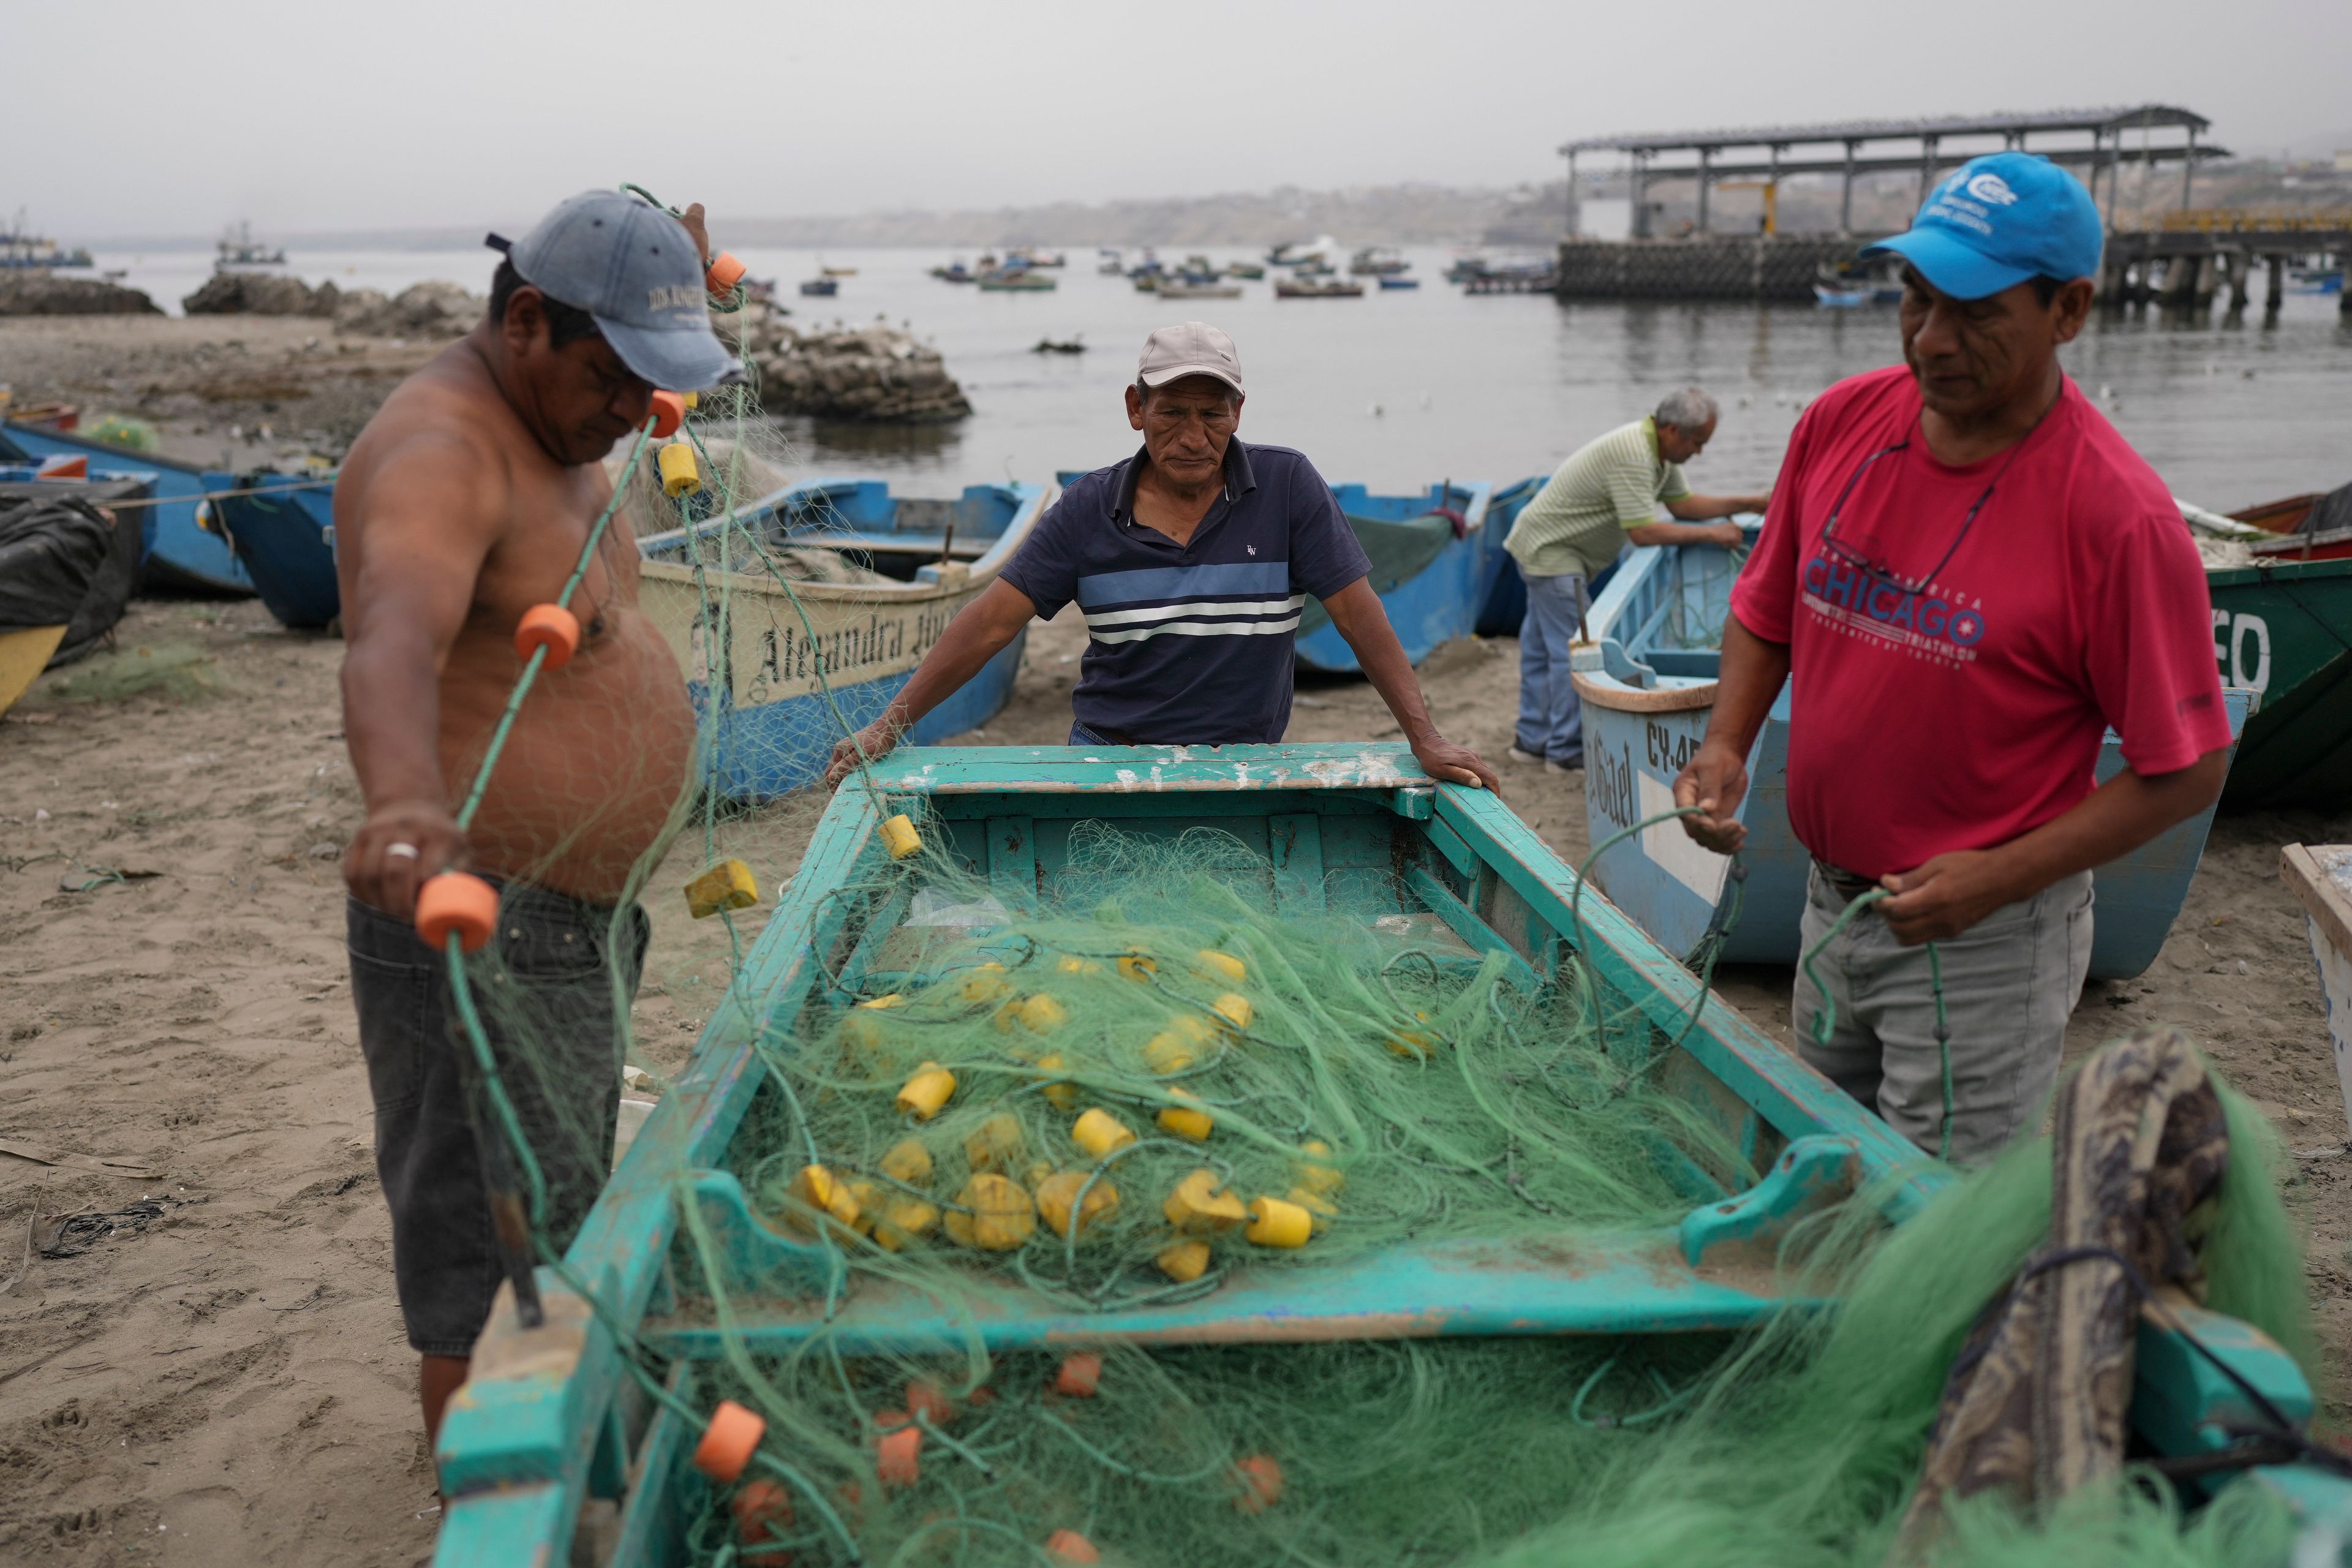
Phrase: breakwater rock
(433,310)
(875,374)
(47,294)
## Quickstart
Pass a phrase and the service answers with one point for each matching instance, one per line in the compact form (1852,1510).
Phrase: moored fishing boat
(2283,630)
(282,528)
(2312,527)
(830,591)
(1308,288)
(181,556)
(694,1280)
(1435,556)
(1647,687)
(69,557)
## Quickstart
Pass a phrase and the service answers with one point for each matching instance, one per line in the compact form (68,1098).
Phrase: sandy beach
(224,1381)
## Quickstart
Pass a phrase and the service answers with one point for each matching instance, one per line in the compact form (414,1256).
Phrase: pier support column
(1705,156)
(2274,293)
(2240,265)
(1845,196)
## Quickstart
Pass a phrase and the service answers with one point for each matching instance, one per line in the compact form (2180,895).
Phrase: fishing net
(1121,1088)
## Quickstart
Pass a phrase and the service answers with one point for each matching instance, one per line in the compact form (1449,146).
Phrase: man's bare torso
(598,755)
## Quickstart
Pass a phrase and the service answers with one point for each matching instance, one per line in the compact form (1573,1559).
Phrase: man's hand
(1730,535)
(1946,896)
(1441,759)
(1716,782)
(401,844)
(870,745)
(699,229)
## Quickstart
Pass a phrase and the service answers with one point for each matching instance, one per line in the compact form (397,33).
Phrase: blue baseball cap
(634,268)
(1998,220)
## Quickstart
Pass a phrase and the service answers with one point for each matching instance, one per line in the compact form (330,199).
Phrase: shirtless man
(467,500)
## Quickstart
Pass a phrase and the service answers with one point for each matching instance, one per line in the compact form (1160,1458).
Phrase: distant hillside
(1519,215)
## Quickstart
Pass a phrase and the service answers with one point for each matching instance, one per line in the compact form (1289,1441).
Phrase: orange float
(723,274)
(455,901)
(897,1455)
(1260,1480)
(729,1442)
(1069,1546)
(1080,1376)
(549,627)
(763,1514)
(669,413)
(927,1402)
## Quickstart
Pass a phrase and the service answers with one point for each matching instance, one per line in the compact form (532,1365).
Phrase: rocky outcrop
(435,310)
(873,374)
(260,294)
(47,294)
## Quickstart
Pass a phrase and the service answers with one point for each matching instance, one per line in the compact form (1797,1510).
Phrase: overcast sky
(148,118)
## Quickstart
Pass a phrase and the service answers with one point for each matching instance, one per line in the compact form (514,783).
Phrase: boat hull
(284,538)
(181,556)
(1638,736)
(1438,604)
(2285,631)
(779,672)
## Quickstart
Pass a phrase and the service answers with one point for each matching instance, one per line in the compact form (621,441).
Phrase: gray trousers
(1550,725)
(2010,980)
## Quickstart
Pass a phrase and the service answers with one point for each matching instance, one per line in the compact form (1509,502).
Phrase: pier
(2186,259)
(2099,143)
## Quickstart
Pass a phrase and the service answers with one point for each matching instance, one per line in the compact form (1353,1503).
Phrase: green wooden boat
(549,1418)
(2284,630)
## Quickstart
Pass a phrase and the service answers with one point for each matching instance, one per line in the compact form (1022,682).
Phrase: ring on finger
(400,852)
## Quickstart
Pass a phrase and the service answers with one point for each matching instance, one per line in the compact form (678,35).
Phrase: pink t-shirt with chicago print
(1951,681)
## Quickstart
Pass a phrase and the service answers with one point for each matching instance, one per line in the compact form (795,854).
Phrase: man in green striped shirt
(1605,494)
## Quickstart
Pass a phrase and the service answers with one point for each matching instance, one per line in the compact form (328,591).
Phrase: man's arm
(1952,892)
(1356,611)
(422,528)
(1726,534)
(1715,780)
(1696,508)
(978,633)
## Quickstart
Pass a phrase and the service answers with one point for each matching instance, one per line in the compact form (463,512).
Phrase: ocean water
(1401,389)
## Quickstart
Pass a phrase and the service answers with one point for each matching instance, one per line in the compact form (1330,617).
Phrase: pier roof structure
(1838,147)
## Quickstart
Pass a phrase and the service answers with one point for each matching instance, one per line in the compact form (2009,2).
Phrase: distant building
(2344,160)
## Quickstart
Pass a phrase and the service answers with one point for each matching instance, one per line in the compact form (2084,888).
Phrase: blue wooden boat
(180,554)
(1647,688)
(794,657)
(1432,572)
(282,528)
(550,1416)
(1505,604)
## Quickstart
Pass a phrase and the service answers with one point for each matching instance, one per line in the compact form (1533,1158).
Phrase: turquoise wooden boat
(550,1417)
(181,556)
(2283,629)
(1647,687)
(801,659)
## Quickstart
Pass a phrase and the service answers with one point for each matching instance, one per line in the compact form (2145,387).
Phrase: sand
(230,1384)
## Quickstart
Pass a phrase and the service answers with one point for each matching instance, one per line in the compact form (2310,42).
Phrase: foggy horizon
(440,116)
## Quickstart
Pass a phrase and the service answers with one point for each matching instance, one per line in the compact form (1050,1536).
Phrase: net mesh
(1112,1094)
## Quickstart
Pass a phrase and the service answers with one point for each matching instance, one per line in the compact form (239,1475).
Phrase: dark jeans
(545,992)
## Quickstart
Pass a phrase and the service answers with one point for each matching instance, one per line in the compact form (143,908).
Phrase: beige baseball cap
(1196,348)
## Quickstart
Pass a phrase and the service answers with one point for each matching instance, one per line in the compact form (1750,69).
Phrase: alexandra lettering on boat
(1937,620)
(781,653)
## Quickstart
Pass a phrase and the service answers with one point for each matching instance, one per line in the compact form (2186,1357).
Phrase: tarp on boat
(54,550)
(1399,552)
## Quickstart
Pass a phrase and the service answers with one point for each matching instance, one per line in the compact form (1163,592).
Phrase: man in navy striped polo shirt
(1192,561)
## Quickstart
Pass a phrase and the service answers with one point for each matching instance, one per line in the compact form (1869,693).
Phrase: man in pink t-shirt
(1967,576)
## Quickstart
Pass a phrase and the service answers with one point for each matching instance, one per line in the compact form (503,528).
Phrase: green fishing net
(1121,1087)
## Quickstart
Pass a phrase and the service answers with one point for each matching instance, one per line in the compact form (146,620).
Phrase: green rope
(1825,1022)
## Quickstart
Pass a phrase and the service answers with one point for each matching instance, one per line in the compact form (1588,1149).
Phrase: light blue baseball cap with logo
(1996,222)
(632,267)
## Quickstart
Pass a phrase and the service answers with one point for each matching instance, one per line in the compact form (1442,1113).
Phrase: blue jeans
(1550,724)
